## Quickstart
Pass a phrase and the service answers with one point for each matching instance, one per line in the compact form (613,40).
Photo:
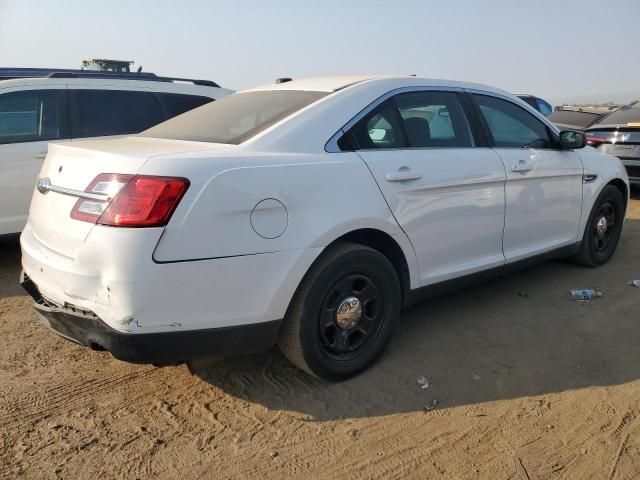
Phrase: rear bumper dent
(85,328)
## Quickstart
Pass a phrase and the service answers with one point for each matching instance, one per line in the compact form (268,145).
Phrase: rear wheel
(603,228)
(343,313)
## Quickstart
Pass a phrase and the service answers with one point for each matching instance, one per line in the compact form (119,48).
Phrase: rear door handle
(40,155)
(522,166)
(402,176)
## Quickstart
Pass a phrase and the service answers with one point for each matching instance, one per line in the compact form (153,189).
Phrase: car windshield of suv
(623,116)
(236,118)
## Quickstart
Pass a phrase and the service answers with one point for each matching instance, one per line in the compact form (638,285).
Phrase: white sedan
(307,213)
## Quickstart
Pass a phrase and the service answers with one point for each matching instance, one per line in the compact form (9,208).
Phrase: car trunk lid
(70,167)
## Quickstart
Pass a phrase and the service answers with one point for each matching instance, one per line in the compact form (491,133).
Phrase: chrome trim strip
(44,186)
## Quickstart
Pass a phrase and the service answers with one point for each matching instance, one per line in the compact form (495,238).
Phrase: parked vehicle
(577,119)
(537,103)
(618,133)
(309,213)
(68,105)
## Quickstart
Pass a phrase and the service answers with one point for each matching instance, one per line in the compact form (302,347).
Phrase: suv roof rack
(11,73)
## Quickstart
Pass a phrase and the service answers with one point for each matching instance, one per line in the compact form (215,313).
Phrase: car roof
(335,83)
(111,83)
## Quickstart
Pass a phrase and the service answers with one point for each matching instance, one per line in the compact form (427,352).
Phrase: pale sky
(554,49)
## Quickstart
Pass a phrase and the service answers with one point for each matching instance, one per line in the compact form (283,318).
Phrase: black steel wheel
(343,313)
(603,228)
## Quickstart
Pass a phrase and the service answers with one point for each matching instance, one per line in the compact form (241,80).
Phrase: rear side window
(434,119)
(544,108)
(32,116)
(511,126)
(380,128)
(99,113)
(176,104)
(419,119)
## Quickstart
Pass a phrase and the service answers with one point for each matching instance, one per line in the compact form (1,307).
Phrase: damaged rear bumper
(86,328)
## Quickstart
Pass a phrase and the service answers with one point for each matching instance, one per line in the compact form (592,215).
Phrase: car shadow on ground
(516,336)
(10,266)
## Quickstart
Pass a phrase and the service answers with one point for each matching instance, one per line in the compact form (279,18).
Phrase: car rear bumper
(85,328)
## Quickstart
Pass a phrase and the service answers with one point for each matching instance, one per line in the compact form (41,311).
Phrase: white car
(71,105)
(307,213)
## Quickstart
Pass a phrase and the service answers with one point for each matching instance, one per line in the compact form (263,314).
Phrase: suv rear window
(99,113)
(623,116)
(32,116)
(176,104)
(573,117)
(235,118)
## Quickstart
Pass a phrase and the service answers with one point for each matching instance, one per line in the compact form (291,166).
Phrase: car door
(445,190)
(544,183)
(30,117)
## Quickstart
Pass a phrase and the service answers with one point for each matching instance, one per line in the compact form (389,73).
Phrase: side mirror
(570,140)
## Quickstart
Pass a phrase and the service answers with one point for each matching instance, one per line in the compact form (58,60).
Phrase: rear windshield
(571,117)
(623,116)
(234,119)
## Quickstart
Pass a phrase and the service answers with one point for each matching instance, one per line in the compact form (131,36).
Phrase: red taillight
(593,140)
(131,201)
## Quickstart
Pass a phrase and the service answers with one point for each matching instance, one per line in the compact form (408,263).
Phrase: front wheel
(603,228)
(343,313)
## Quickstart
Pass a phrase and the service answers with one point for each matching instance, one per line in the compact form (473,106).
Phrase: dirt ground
(525,384)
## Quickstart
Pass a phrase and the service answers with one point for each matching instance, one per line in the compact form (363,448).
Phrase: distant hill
(599,98)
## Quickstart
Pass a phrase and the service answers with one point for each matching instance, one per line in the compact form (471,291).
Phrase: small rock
(355,432)
(143,428)
(54,426)
(424,383)
(583,451)
(430,406)
(475,377)
(273,454)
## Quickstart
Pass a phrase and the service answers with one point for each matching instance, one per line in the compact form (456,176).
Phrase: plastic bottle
(584,294)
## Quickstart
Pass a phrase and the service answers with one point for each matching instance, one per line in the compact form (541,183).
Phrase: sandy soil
(528,384)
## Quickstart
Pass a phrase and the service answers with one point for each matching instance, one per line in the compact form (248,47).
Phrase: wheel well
(620,185)
(387,246)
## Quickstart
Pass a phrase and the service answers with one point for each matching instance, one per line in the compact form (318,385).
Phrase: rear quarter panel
(325,196)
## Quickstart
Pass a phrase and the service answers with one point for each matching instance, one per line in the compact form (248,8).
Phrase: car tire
(343,313)
(601,236)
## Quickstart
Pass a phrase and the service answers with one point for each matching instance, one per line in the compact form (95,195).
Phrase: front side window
(32,116)
(511,126)
(434,119)
(100,113)
(235,118)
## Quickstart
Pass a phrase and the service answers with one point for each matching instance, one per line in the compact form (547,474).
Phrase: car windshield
(623,116)
(236,118)
(573,117)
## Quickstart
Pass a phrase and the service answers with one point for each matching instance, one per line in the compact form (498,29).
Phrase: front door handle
(522,166)
(402,176)
(40,155)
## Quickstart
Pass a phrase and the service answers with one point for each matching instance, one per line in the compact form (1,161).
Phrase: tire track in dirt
(68,395)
